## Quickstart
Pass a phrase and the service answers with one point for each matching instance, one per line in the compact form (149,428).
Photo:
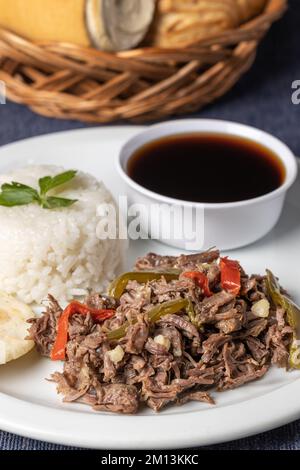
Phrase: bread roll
(182,22)
(46,20)
(106,24)
(115,25)
(250,8)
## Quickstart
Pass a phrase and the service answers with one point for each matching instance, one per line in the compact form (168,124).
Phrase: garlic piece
(116,355)
(163,341)
(261,308)
(117,26)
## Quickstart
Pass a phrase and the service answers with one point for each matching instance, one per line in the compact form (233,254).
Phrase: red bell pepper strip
(59,347)
(202,281)
(230,275)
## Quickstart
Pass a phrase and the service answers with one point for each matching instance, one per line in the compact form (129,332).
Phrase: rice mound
(56,251)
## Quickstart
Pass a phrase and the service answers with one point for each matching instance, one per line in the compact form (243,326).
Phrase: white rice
(56,251)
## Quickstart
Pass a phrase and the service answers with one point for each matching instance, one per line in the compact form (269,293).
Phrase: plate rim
(255,415)
(252,416)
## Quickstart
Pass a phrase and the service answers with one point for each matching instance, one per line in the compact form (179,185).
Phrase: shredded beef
(257,349)
(100,302)
(119,398)
(183,324)
(154,348)
(277,339)
(246,375)
(154,261)
(136,337)
(229,326)
(175,338)
(80,325)
(195,396)
(212,344)
(216,344)
(209,307)
(43,329)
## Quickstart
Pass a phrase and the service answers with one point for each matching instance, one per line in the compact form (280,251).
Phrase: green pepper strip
(292,311)
(192,315)
(157,312)
(118,286)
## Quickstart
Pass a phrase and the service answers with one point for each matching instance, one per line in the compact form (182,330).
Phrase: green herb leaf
(51,182)
(13,186)
(44,183)
(17,194)
(10,200)
(57,202)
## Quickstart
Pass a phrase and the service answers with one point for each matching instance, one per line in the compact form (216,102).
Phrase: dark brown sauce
(206,167)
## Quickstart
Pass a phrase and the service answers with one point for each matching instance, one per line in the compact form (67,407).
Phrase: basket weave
(71,82)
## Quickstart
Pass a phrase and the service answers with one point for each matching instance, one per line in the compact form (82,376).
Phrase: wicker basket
(70,82)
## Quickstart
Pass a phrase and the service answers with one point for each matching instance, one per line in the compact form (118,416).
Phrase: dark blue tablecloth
(262,99)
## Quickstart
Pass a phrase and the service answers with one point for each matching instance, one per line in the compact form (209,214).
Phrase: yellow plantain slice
(13,328)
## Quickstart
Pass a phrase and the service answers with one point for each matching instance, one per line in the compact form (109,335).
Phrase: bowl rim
(207,125)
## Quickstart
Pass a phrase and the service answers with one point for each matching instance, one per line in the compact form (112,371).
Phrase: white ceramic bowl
(225,225)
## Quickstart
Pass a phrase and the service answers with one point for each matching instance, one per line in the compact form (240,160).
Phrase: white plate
(29,405)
